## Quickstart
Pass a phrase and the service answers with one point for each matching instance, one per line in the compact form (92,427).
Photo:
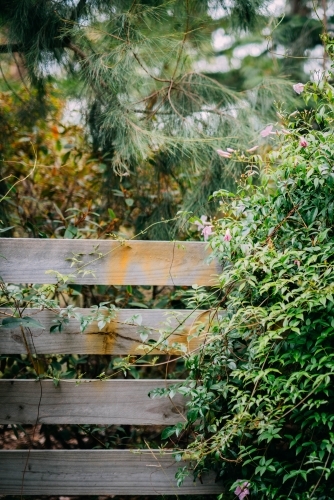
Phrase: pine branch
(85,62)
(8,48)
(149,74)
(77,51)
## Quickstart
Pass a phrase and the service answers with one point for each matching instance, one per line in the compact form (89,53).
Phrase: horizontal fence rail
(111,402)
(96,472)
(88,402)
(27,260)
(117,337)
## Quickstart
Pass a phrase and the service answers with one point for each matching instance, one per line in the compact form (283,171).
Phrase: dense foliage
(261,388)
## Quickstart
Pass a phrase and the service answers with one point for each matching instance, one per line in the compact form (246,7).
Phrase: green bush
(261,387)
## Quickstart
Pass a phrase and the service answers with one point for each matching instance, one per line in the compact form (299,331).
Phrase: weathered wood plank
(131,263)
(96,472)
(118,402)
(116,337)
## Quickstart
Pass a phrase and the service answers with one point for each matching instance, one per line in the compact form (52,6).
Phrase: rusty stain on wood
(117,337)
(134,263)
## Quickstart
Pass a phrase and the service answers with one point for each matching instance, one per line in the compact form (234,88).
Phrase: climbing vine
(261,399)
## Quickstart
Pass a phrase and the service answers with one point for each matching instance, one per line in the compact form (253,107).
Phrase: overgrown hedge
(261,388)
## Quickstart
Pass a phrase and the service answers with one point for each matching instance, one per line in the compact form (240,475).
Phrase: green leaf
(25,321)
(55,381)
(65,157)
(138,304)
(56,328)
(69,374)
(70,232)
(192,415)
(167,432)
(111,214)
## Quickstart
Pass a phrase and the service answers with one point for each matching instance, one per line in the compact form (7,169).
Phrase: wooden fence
(120,402)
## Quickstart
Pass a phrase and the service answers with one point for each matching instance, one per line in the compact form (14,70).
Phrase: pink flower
(242,491)
(207,230)
(298,87)
(224,154)
(228,235)
(230,150)
(201,225)
(251,150)
(267,131)
(205,226)
(303,142)
(297,262)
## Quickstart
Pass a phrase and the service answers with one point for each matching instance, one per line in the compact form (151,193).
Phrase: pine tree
(131,64)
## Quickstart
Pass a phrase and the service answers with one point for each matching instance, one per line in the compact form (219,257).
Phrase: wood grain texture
(118,402)
(97,472)
(132,263)
(116,337)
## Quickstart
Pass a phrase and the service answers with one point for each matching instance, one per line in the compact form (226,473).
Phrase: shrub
(261,387)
